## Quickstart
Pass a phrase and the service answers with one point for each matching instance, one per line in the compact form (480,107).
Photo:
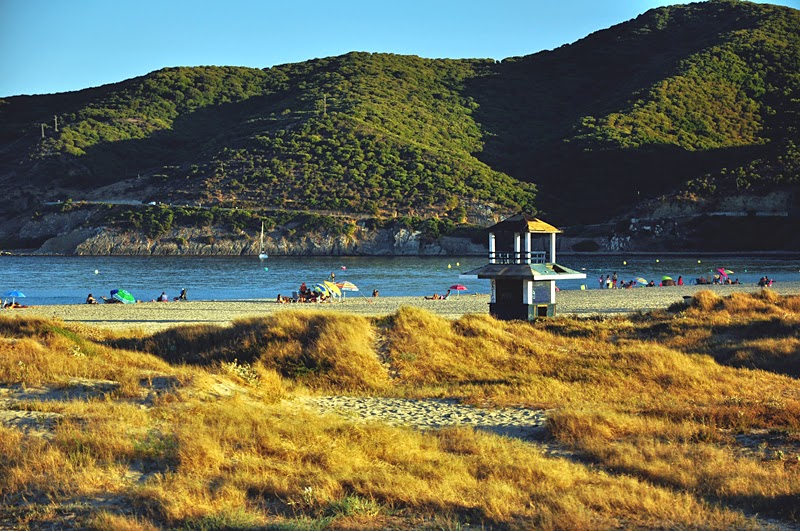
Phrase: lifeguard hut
(522,268)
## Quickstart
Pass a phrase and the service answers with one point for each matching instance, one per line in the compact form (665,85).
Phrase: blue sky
(51,46)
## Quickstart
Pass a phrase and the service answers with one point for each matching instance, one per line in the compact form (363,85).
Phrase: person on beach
(765,282)
(614,280)
(163,297)
(91,300)
(182,296)
(602,281)
(437,297)
(375,293)
(680,280)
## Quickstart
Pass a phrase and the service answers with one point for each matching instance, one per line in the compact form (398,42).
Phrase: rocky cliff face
(734,223)
(208,242)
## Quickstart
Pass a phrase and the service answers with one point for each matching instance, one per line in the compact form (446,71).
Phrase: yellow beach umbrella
(333,288)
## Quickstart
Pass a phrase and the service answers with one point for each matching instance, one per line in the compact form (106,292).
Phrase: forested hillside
(693,100)
(702,98)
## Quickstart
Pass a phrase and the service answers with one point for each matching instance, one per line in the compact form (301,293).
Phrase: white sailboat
(262,254)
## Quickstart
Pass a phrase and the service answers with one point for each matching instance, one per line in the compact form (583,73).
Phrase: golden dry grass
(316,349)
(669,429)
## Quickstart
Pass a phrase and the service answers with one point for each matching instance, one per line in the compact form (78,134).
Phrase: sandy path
(432,414)
(154,316)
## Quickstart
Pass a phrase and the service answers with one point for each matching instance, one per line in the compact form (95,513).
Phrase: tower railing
(521,257)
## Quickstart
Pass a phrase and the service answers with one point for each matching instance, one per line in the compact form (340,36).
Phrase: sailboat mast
(261,254)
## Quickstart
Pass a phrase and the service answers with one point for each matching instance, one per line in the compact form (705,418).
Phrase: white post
(553,248)
(517,246)
(527,292)
(552,292)
(492,251)
(527,247)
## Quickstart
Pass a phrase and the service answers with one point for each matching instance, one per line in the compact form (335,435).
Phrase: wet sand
(154,316)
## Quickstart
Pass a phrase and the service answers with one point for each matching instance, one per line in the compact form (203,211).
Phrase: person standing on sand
(614,280)
(602,282)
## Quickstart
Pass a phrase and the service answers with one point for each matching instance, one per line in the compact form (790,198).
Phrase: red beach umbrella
(458,287)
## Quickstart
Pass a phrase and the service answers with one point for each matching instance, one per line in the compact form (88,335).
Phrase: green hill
(699,99)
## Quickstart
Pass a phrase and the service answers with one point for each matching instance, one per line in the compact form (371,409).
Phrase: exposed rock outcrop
(208,242)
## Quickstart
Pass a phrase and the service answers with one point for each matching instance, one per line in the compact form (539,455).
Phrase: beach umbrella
(333,288)
(347,286)
(123,296)
(458,287)
(14,294)
(665,277)
(320,288)
(641,280)
(724,272)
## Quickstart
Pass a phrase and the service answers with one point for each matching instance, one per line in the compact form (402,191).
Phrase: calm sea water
(68,279)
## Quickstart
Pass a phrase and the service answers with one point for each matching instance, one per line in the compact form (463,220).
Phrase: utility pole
(55,120)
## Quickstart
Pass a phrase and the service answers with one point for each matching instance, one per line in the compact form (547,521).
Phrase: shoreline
(684,254)
(152,317)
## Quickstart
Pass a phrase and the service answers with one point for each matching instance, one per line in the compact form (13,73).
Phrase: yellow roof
(525,223)
(539,226)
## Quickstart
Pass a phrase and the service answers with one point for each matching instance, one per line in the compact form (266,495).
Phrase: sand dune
(153,316)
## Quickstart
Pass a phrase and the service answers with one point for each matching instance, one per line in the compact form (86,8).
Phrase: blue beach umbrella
(14,294)
(320,288)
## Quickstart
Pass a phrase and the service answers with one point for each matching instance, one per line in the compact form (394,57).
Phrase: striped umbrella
(347,286)
(320,288)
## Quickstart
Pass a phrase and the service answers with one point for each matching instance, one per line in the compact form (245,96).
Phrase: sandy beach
(154,316)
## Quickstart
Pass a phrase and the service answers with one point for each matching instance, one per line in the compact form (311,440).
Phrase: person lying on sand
(437,297)
(14,304)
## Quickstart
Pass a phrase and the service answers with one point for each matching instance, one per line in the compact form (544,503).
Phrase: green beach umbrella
(124,296)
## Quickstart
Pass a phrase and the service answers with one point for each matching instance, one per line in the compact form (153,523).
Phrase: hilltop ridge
(688,106)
